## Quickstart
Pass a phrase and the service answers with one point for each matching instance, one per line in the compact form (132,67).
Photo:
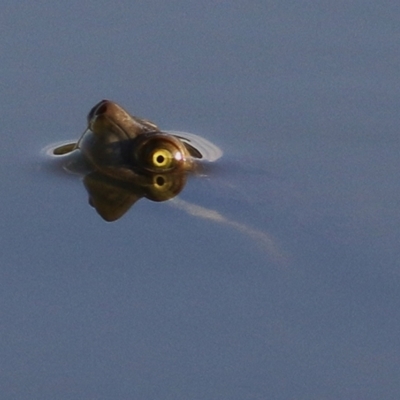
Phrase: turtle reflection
(124,158)
(112,197)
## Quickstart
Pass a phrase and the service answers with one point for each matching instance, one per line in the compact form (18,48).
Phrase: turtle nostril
(99,108)
(102,108)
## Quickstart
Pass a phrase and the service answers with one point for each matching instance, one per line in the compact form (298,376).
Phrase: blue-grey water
(276,275)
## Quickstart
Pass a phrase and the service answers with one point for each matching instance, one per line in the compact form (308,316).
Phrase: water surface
(276,274)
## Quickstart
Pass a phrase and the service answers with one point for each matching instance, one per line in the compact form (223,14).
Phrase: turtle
(114,139)
(124,158)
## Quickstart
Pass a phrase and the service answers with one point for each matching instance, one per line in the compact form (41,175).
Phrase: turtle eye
(159,154)
(162,158)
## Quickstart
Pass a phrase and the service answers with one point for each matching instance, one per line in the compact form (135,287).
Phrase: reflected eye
(161,184)
(164,186)
(159,181)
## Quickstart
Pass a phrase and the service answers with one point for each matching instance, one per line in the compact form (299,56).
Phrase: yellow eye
(162,158)
(158,153)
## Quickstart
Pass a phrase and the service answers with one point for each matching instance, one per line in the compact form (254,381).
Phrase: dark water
(276,275)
